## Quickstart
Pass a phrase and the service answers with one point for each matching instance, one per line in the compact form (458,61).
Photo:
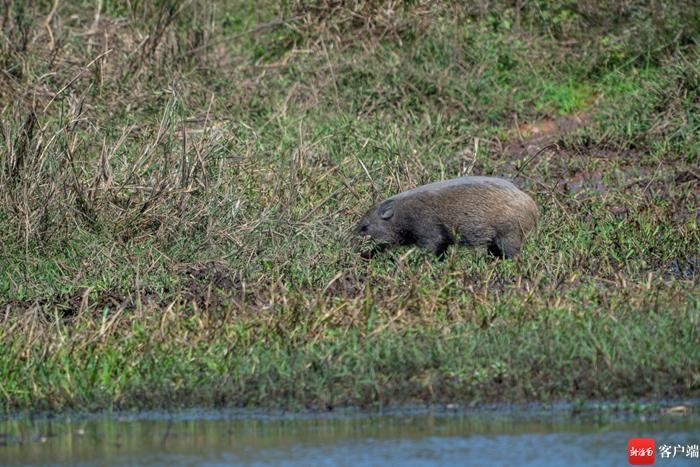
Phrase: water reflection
(224,438)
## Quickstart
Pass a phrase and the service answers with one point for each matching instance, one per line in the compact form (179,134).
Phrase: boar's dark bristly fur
(473,211)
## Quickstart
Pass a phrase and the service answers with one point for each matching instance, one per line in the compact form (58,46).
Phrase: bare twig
(374,185)
(76,77)
(256,30)
(529,159)
(47,23)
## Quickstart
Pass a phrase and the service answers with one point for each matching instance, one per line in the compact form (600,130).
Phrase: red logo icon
(640,451)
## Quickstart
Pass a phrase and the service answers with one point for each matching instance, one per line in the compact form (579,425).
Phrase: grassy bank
(178,180)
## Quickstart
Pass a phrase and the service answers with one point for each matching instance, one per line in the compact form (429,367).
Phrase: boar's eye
(364,228)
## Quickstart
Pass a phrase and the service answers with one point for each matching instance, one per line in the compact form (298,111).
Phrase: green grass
(313,360)
(174,222)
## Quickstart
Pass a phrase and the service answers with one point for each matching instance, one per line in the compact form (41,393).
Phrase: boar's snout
(360,236)
(363,241)
(362,229)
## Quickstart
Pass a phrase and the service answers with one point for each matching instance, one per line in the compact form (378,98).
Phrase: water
(405,437)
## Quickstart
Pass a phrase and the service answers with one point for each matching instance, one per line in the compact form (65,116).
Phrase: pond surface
(492,437)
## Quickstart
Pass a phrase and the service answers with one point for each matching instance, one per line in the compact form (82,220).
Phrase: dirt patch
(592,170)
(528,138)
(71,304)
(685,268)
(686,176)
(214,273)
(349,284)
(209,284)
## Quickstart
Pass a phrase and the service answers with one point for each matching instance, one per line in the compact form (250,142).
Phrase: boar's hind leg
(506,246)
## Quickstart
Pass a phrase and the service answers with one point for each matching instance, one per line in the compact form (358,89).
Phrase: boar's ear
(386,210)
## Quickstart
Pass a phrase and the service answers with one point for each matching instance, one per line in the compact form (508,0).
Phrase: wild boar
(472,211)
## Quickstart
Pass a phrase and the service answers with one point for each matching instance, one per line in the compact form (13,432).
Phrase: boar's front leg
(506,246)
(434,237)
